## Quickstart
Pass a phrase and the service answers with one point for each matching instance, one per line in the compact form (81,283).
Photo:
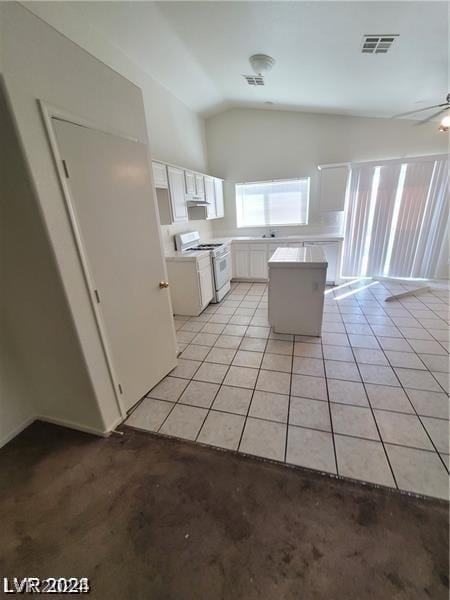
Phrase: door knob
(163,284)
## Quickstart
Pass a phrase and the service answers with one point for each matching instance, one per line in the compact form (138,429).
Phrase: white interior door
(114,212)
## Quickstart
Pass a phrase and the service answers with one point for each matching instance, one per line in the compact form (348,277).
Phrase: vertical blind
(395,219)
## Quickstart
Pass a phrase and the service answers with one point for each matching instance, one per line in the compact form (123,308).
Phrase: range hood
(193,201)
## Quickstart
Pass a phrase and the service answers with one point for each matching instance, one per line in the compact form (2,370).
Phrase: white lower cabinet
(190,284)
(241,261)
(258,261)
(205,283)
(250,260)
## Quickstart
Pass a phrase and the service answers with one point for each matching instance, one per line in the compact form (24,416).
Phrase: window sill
(270,226)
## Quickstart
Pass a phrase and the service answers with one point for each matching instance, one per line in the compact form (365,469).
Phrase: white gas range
(220,259)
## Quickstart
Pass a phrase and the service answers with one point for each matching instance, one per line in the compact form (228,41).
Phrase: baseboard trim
(63,423)
(77,426)
(12,434)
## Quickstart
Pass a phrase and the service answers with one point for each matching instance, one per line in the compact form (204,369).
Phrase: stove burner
(206,247)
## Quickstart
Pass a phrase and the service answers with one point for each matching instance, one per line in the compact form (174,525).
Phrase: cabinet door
(206,286)
(210,197)
(258,262)
(218,185)
(241,260)
(295,245)
(159,175)
(190,183)
(199,185)
(177,194)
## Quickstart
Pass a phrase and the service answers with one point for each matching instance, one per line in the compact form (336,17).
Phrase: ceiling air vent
(378,44)
(254,79)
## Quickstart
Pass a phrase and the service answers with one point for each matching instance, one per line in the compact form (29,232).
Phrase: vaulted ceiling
(199,51)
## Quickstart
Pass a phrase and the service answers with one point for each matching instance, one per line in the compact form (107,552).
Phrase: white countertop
(289,238)
(324,237)
(309,257)
(190,255)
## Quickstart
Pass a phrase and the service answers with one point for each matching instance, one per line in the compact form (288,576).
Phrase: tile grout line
(412,405)
(227,371)
(356,304)
(373,416)
(251,398)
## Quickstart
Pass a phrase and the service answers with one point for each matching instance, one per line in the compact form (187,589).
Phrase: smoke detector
(261,64)
(378,43)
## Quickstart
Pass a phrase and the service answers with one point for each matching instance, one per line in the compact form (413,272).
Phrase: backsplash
(169,231)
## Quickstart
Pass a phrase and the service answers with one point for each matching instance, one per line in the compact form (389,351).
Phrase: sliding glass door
(396,216)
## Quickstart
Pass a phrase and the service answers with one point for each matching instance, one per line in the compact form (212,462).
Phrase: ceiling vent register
(378,44)
(254,79)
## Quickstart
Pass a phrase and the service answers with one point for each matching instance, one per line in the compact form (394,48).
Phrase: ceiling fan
(444,107)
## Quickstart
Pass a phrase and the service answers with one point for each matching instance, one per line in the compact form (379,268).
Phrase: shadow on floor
(151,518)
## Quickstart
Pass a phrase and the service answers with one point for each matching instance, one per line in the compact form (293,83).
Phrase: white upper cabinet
(199,185)
(177,189)
(210,197)
(218,186)
(190,183)
(332,187)
(159,175)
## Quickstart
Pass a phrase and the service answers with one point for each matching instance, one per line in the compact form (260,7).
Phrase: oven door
(222,270)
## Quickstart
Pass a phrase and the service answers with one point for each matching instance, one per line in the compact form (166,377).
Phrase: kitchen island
(297,279)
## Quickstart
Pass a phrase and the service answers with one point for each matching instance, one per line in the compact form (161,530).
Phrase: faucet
(272,233)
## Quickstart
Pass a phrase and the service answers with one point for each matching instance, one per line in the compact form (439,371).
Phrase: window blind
(272,203)
(395,218)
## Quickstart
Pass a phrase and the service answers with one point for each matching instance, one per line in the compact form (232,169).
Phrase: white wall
(58,352)
(176,134)
(251,145)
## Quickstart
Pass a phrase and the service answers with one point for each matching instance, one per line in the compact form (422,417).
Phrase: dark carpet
(151,518)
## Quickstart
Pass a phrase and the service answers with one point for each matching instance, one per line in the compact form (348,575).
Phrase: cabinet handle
(163,284)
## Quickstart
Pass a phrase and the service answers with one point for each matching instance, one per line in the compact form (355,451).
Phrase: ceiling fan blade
(439,112)
(412,112)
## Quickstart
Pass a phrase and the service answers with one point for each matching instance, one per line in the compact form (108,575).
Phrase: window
(271,203)
(395,218)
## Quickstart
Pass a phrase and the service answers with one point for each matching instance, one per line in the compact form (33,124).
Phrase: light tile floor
(368,400)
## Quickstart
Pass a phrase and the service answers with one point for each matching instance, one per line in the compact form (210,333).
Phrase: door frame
(50,112)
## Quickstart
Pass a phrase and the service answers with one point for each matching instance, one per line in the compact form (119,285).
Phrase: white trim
(274,225)
(333,166)
(64,115)
(385,161)
(272,181)
(12,434)
(49,112)
(79,427)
